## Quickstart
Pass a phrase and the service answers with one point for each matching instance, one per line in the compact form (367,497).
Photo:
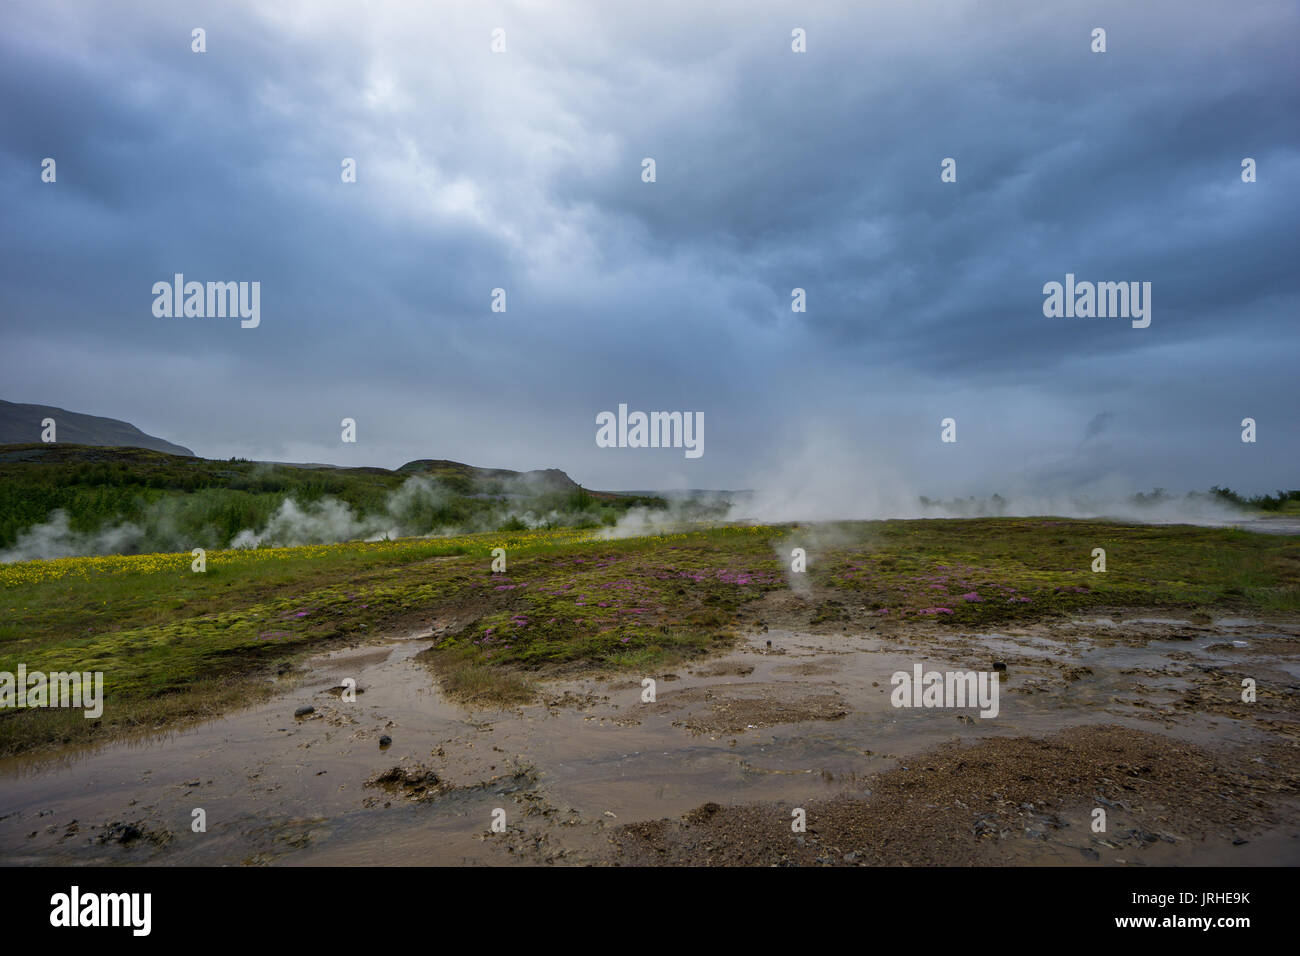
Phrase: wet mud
(1136,715)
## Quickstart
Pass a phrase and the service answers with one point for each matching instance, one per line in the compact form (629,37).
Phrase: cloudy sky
(522,170)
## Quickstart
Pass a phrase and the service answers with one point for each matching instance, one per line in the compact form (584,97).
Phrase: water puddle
(785,717)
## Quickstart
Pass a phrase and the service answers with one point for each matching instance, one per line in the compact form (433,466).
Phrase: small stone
(999,665)
(121,833)
(304,711)
(385,741)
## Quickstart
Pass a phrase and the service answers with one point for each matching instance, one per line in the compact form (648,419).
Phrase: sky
(774,170)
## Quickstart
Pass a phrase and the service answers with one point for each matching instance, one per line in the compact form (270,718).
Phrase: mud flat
(1136,714)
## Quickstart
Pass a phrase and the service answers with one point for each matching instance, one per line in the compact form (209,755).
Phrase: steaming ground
(782,507)
(327,521)
(330,521)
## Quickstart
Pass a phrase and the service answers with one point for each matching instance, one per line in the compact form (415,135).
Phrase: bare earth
(1139,717)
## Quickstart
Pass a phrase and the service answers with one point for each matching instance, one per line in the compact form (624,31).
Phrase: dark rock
(304,711)
(414,778)
(121,833)
(385,741)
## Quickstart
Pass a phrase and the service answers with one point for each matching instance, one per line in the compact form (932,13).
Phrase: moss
(174,644)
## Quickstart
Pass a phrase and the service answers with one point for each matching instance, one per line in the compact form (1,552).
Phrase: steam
(322,522)
(420,506)
(825,481)
(413,509)
(777,507)
(56,539)
(821,485)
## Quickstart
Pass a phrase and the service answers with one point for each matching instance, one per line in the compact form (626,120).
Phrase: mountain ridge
(20,424)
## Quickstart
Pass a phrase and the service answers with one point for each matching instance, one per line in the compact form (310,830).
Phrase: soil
(1133,713)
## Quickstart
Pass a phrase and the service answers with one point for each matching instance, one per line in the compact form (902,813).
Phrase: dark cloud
(775,171)
(1098,425)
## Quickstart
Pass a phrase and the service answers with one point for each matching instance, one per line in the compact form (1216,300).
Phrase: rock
(999,665)
(385,741)
(415,777)
(304,711)
(121,833)
(418,783)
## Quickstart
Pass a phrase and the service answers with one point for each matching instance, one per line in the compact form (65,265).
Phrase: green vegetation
(131,500)
(1284,501)
(174,644)
(989,571)
(1193,502)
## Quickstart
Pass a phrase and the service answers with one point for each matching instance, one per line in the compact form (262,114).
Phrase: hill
(22,423)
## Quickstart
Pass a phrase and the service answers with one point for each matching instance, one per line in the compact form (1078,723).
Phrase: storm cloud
(775,170)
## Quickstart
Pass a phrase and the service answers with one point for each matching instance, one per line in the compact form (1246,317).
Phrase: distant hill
(494,480)
(21,424)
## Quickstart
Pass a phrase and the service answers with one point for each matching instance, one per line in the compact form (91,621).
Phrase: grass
(989,571)
(174,644)
(474,683)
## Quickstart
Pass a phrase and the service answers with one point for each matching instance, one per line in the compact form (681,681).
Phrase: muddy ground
(1135,715)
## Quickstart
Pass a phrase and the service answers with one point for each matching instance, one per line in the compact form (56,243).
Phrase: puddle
(807,718)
